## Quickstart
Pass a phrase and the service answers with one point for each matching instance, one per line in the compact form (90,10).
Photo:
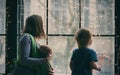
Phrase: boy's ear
(90,41)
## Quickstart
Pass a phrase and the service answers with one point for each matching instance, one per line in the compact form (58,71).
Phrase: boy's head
(45,51)
(83,37)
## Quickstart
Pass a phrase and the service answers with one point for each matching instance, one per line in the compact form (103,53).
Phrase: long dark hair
(34,26)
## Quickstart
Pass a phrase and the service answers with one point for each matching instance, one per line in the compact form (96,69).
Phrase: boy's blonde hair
(83,37)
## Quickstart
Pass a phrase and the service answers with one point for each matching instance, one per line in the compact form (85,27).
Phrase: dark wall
(117,39)
(11,33)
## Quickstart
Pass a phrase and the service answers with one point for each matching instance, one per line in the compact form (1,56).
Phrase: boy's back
(81,61)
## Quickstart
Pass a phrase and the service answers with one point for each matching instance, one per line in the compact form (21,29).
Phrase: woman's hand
(49,57)
(51,72)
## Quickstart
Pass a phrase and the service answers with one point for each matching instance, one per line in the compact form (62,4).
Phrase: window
(62,18)
(98,16)
(2,35)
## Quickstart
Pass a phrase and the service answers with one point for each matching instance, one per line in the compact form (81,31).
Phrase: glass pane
(2,54)
(104,46)
(42,41)
(63,46)
(2,16)
(63,16)
(35,7)
(98,16)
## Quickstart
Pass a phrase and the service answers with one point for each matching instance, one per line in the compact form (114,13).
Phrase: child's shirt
(81,59)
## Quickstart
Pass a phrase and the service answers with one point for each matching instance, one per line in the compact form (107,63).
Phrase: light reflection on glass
(98,12)
(2,38)
(2,16)
(2,54)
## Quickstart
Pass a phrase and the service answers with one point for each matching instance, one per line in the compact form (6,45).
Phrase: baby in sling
(42,51)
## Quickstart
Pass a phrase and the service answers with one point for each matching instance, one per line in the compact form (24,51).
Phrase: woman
(26,61)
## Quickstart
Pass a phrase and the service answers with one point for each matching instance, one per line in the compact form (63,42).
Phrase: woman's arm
(24,54)
(49,57)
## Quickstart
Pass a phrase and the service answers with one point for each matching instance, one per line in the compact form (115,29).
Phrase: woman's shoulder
(24,37)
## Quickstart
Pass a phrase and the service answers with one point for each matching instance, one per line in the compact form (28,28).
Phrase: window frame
(117,33)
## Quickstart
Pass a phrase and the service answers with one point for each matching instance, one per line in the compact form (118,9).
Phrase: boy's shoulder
(76,50)
(84,49)
(91,51)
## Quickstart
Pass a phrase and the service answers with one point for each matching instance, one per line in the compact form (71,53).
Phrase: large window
(98,16)
(2,35)
(62,18)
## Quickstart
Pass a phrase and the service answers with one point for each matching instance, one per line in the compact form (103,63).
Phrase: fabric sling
(45,67)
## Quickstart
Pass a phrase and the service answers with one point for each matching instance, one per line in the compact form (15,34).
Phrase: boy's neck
(82,46)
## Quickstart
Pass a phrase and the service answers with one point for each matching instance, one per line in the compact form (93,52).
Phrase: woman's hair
(34,26)
(83,37)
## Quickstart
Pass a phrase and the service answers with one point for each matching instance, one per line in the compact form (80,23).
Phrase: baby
(44,51)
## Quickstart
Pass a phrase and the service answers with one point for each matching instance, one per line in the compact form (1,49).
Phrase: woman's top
(25,64)
(29,57)
(24,53)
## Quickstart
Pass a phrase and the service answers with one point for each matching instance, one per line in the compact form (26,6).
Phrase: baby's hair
(44,51)
(83,37)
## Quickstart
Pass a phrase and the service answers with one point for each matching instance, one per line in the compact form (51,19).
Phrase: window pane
(98,16)
(35,7)
(2,54)
(63,16)
(63,46)
(104,46)
(2,16)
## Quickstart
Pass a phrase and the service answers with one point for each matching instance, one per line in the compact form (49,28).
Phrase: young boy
(83,58)
(44,51)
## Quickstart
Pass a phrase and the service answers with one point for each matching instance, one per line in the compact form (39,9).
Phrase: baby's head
(45,51)
(83,37)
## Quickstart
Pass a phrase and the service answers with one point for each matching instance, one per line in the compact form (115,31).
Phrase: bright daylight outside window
(2,35)
(62,19)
